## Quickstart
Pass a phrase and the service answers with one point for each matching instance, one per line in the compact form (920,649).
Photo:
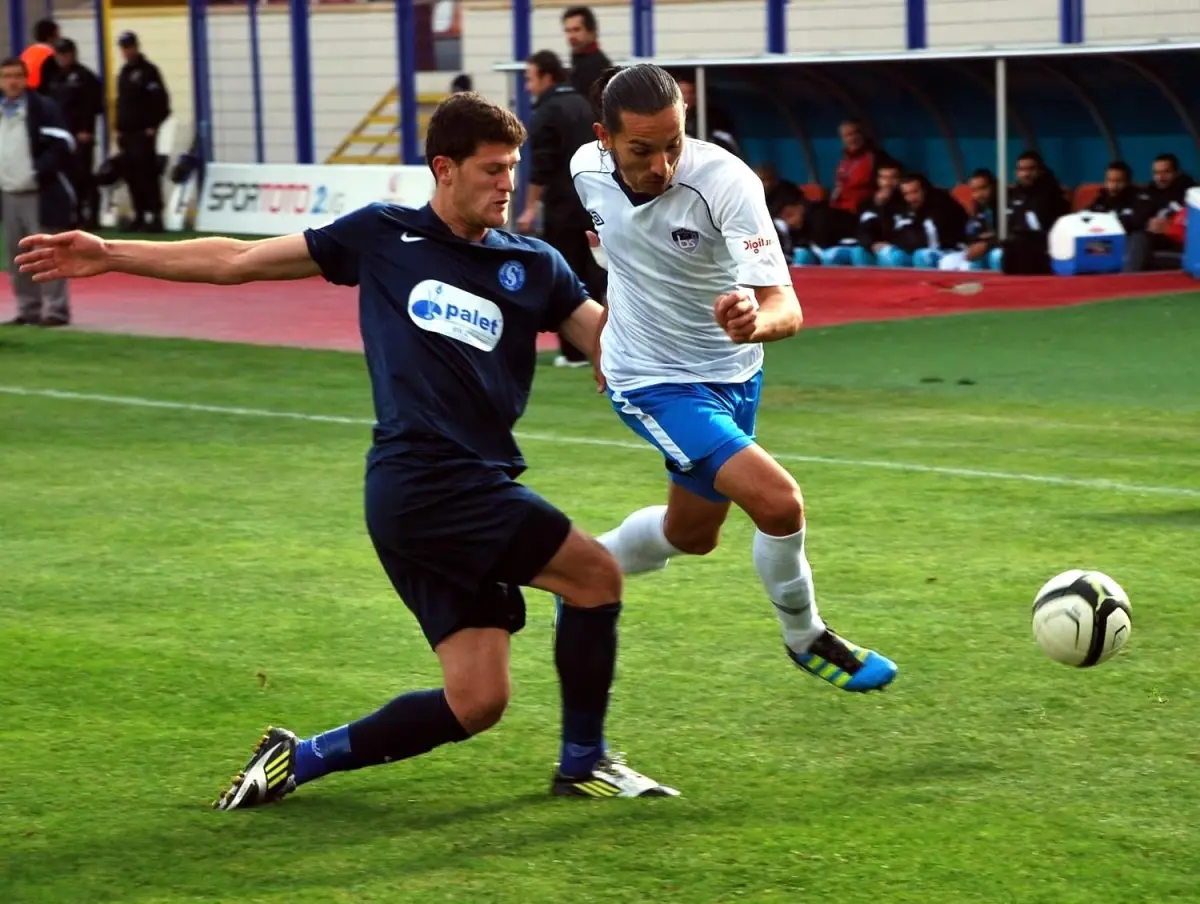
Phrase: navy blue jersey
(449,327)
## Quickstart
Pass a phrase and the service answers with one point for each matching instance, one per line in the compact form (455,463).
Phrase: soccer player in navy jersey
(450,309)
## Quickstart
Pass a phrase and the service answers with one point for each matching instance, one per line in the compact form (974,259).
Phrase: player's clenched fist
(737,314)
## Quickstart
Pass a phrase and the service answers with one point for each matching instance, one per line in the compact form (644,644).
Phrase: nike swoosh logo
(409,237)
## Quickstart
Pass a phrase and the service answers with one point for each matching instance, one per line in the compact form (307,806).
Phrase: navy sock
(585,653)
(408,726)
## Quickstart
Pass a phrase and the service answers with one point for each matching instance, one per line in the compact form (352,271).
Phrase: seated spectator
(982,243)
(1121,196)
(718,122)
(776,189)
(853,185)
(1035,203)
(877,219)
(932,225)
(792,224)
(1153,247)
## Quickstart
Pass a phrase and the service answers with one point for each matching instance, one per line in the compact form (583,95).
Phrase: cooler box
(1087,242)
(1191,240)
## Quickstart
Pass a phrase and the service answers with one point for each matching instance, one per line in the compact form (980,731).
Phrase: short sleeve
(567,292)
(339,247)
(740,211)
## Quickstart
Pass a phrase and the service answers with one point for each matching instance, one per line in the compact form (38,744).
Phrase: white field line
(567,440)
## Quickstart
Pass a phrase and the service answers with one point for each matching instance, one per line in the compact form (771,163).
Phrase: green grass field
(176,578)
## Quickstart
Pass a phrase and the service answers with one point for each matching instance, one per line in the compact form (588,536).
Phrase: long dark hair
(644,89)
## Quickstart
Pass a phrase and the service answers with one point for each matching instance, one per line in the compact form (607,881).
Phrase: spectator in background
(80,98)
(35,150)
(1152,247)
(792,225)
(982,250)
(462,84)
(933,224)
(1035,203)
(587,59)
(562,123)
(853,186)
(1121,196)
(142,106)
(38,57)
(877,221)
(777,190)
(718,122)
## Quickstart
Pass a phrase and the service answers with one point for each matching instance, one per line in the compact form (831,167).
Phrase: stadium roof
(962,53)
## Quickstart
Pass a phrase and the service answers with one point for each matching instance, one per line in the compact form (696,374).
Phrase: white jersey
(668,260)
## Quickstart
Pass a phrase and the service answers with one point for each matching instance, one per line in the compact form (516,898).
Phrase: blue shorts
(696,426)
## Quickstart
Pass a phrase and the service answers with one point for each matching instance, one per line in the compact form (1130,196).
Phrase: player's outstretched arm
(218,261)
(772,313)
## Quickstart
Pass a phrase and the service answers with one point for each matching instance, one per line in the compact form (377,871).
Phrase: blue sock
(585,653)
(324,753)
(408,726)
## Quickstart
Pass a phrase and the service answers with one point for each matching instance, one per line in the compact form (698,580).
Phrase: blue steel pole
(201,86)
(16,26)
(916,24)
(256,81)
(776,26)
(643,28)
(522,48)
(406,38)
(1070,21)
(302,79)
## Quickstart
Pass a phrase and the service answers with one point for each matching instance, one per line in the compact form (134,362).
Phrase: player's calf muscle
(475,676)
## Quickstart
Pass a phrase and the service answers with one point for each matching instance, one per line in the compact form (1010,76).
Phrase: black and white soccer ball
(1081,618)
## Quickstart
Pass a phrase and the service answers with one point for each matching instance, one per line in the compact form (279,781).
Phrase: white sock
(639,544)
(787,576)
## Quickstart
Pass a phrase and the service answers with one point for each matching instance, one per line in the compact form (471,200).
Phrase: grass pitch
(176,578)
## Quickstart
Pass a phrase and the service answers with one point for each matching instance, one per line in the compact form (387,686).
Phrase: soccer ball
(1081,618)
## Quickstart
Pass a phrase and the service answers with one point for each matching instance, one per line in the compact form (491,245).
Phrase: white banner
(279,199)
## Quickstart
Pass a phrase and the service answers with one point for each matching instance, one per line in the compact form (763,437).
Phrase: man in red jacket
(853,184)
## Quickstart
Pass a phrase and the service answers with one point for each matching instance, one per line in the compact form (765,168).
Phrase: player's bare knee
(598,581)
(779,514)
(479,704)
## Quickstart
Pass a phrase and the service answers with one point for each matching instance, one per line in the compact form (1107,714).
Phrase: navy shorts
(458,539)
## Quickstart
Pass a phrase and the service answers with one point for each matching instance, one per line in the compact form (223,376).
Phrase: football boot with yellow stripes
(845,665)
(610,778)
(268,778)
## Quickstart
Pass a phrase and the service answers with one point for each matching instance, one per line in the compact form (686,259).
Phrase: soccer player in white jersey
(696,284)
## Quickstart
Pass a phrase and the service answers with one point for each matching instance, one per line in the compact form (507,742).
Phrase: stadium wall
(354,48)
(353,62)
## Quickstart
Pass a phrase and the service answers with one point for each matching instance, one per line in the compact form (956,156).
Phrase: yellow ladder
(376,138)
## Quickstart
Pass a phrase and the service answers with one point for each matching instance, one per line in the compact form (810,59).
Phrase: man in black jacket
(562,123)
(35,151)
(878,215)
(1035,203)
(1121,196)
(1150,247)
(80,97)
(142,106)
(933,222)
(982,250)
(587,59)
(719,127)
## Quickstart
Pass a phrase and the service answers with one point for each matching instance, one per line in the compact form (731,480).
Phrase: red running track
(313,314)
